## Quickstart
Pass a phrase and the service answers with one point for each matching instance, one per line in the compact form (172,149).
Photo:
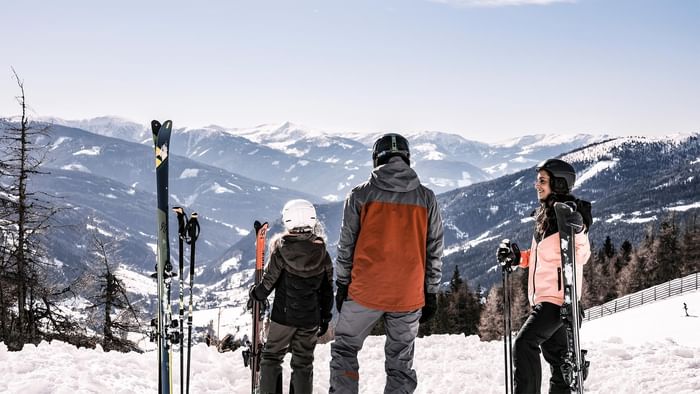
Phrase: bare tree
(118,315)
(28,304)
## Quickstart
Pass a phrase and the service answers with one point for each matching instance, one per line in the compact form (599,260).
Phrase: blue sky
(485,69)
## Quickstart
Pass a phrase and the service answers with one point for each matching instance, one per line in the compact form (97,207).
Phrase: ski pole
(193,234)
(181,230)
(507,336)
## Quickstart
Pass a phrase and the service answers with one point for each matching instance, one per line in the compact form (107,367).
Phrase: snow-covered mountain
(109,186)
(329,164)
(108,126)
(631,181)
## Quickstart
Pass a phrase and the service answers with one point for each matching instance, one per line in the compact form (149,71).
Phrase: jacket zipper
(558,278)
(534,272)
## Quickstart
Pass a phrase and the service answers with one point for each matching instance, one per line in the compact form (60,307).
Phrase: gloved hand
(341,294)
(256,293)
(430,307)
(508,253)
(575,220)
(323,327)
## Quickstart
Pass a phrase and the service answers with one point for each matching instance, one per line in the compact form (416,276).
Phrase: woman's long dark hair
(545,218)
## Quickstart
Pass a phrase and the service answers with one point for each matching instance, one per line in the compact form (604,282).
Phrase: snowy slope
(651,349)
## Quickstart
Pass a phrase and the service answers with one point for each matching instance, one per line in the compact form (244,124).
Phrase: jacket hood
(395,176)
(303,253)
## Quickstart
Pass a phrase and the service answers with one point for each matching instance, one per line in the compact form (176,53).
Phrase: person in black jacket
(301,273)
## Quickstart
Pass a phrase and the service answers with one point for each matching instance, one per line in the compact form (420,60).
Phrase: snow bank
(650,349)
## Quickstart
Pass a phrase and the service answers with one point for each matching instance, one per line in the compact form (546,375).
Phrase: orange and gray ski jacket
(545,278)
(391,240)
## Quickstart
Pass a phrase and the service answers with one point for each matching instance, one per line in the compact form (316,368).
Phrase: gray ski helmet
(388,146)
(562,175)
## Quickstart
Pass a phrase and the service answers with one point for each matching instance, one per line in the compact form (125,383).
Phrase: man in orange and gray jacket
(388,266)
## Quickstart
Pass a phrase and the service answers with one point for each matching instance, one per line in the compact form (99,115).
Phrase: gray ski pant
(281,339)
(354,325)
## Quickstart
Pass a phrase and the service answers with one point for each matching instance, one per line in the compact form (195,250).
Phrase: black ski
(161,139)
(575,367)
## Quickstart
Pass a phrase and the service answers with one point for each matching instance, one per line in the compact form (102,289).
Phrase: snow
(683,208)
(594,170)
(99,230)
(94,151)
(630,352)
(189,173)
(230,263)
(58,142)
(75,167)
(218,189)
(331,197)
(136,282)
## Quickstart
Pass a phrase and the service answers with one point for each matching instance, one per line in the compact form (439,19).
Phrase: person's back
(389,256)
(388,267)
(301,273)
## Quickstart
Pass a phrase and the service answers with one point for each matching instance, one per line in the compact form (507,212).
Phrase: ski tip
(179,210)
(168,124)
(257,225)
(155,126)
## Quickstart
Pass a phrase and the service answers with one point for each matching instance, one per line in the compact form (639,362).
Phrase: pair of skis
(164,326)
(575,367)
(188,232)
(164,269)
(253,351)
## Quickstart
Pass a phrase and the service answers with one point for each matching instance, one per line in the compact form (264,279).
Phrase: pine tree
(690,247)
(491,322)
(667,252)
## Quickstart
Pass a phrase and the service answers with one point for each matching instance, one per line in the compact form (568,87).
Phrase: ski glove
(508,253)
(575,220)
(341,294)
(430,307)
(257,293)
(323,327)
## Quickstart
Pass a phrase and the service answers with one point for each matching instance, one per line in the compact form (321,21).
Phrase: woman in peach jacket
(544,329)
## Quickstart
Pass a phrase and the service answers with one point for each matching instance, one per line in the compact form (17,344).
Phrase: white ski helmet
(298,214)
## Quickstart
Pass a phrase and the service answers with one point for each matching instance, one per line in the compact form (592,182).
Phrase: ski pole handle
(193,228)
(181,221)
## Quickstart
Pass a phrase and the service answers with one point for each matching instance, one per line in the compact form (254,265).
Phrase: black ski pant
(281,339)
(542,329)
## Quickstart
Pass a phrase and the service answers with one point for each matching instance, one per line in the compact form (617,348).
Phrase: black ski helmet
(390,145)
(562,175)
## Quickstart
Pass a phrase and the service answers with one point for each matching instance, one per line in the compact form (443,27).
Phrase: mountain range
(102,169)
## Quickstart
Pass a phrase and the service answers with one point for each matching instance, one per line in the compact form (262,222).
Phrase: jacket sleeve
(583,248)
(326,290)
(272,273)
(524,258)
(434,249)
(349,231)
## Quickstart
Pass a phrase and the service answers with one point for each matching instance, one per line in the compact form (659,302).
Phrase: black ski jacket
(301,273)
